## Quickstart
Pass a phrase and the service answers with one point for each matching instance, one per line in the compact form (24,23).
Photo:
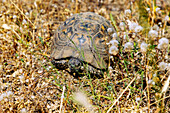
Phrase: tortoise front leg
(60,64)
(94,72)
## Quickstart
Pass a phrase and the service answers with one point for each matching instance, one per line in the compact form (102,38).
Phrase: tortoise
(79,44)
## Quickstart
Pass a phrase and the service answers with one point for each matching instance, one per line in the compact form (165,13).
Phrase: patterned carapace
(83,37)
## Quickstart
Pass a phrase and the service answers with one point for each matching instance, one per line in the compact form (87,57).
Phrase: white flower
(110,68)
(155,27)
(127,12)
(132,25)
(2,96)
(128,46)
(27,80)
(33,97)
(9,93)
(114,42)
(27,63)
(23,110)
(27,13)
(163,43)
(149,81)
(162,66)
(40,71)
(157,9)
(111,57)
(152,34)
(122,25)
(113,50)
(21,70)
(22,78)
(50,67)
(109,30)
(71,14)
(148,9)
(48,106)
(154,75)
(163,40)
(14,16)
(167,18)
(153,83)
(114,35)
(41,10)
(143,47)
(24,21)
(5,26)
(138,99)
(138,28)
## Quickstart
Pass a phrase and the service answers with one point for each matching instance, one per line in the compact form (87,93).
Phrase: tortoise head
(75,65)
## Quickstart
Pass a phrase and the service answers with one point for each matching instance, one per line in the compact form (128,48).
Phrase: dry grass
(30,83)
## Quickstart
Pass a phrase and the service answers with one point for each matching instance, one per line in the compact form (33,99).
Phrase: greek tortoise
(79,44)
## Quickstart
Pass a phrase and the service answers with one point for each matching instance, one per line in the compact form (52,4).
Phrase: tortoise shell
(83,37)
